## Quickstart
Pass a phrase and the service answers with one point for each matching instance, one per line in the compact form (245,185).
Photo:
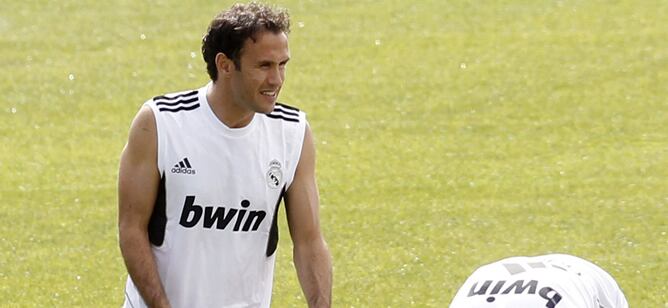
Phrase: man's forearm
(314,269)
(142,268)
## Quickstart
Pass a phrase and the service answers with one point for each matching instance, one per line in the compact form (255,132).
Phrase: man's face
(256,86)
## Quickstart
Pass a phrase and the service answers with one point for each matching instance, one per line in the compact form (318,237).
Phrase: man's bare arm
(311,255)
(138,182)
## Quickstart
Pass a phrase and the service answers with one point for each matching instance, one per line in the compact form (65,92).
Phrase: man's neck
(225,109)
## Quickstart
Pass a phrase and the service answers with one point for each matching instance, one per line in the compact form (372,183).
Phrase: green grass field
(449,135)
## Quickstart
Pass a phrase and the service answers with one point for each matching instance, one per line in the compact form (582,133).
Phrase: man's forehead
(267,44)
(266,38)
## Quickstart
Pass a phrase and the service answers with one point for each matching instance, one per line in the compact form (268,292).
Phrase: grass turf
(449,135)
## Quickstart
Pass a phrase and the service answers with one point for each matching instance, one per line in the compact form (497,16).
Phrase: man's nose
(275,77)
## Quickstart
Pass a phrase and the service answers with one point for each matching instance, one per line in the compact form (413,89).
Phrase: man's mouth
(269,93)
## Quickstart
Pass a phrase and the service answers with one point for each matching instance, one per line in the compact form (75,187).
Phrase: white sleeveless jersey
(213,229)
(553,281)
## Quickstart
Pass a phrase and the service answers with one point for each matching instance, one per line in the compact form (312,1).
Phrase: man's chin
(267,107)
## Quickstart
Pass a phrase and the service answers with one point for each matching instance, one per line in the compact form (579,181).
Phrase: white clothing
(553,281)
(213,229)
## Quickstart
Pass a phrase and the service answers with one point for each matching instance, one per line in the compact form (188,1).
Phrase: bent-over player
(552,281)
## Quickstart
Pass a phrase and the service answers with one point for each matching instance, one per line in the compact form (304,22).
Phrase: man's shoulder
(286,113)
(176,101)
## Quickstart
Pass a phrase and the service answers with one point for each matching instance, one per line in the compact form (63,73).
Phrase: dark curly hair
(229,30)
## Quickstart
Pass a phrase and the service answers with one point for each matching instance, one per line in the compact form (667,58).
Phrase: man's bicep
(302,200)
(138,177)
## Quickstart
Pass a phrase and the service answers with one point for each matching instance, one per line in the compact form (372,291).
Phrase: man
(555,280)
(204,171)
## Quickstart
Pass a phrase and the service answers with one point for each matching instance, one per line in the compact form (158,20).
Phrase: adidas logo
(183,167)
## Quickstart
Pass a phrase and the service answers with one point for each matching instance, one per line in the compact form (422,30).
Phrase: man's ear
(224,64)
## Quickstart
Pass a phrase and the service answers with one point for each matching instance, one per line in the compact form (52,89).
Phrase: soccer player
(553,281)
(204,171)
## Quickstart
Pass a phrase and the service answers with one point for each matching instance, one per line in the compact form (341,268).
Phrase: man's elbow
(313,240)
(129,236)
(309,251)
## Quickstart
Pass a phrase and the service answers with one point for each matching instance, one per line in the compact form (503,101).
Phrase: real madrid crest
(274,175)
